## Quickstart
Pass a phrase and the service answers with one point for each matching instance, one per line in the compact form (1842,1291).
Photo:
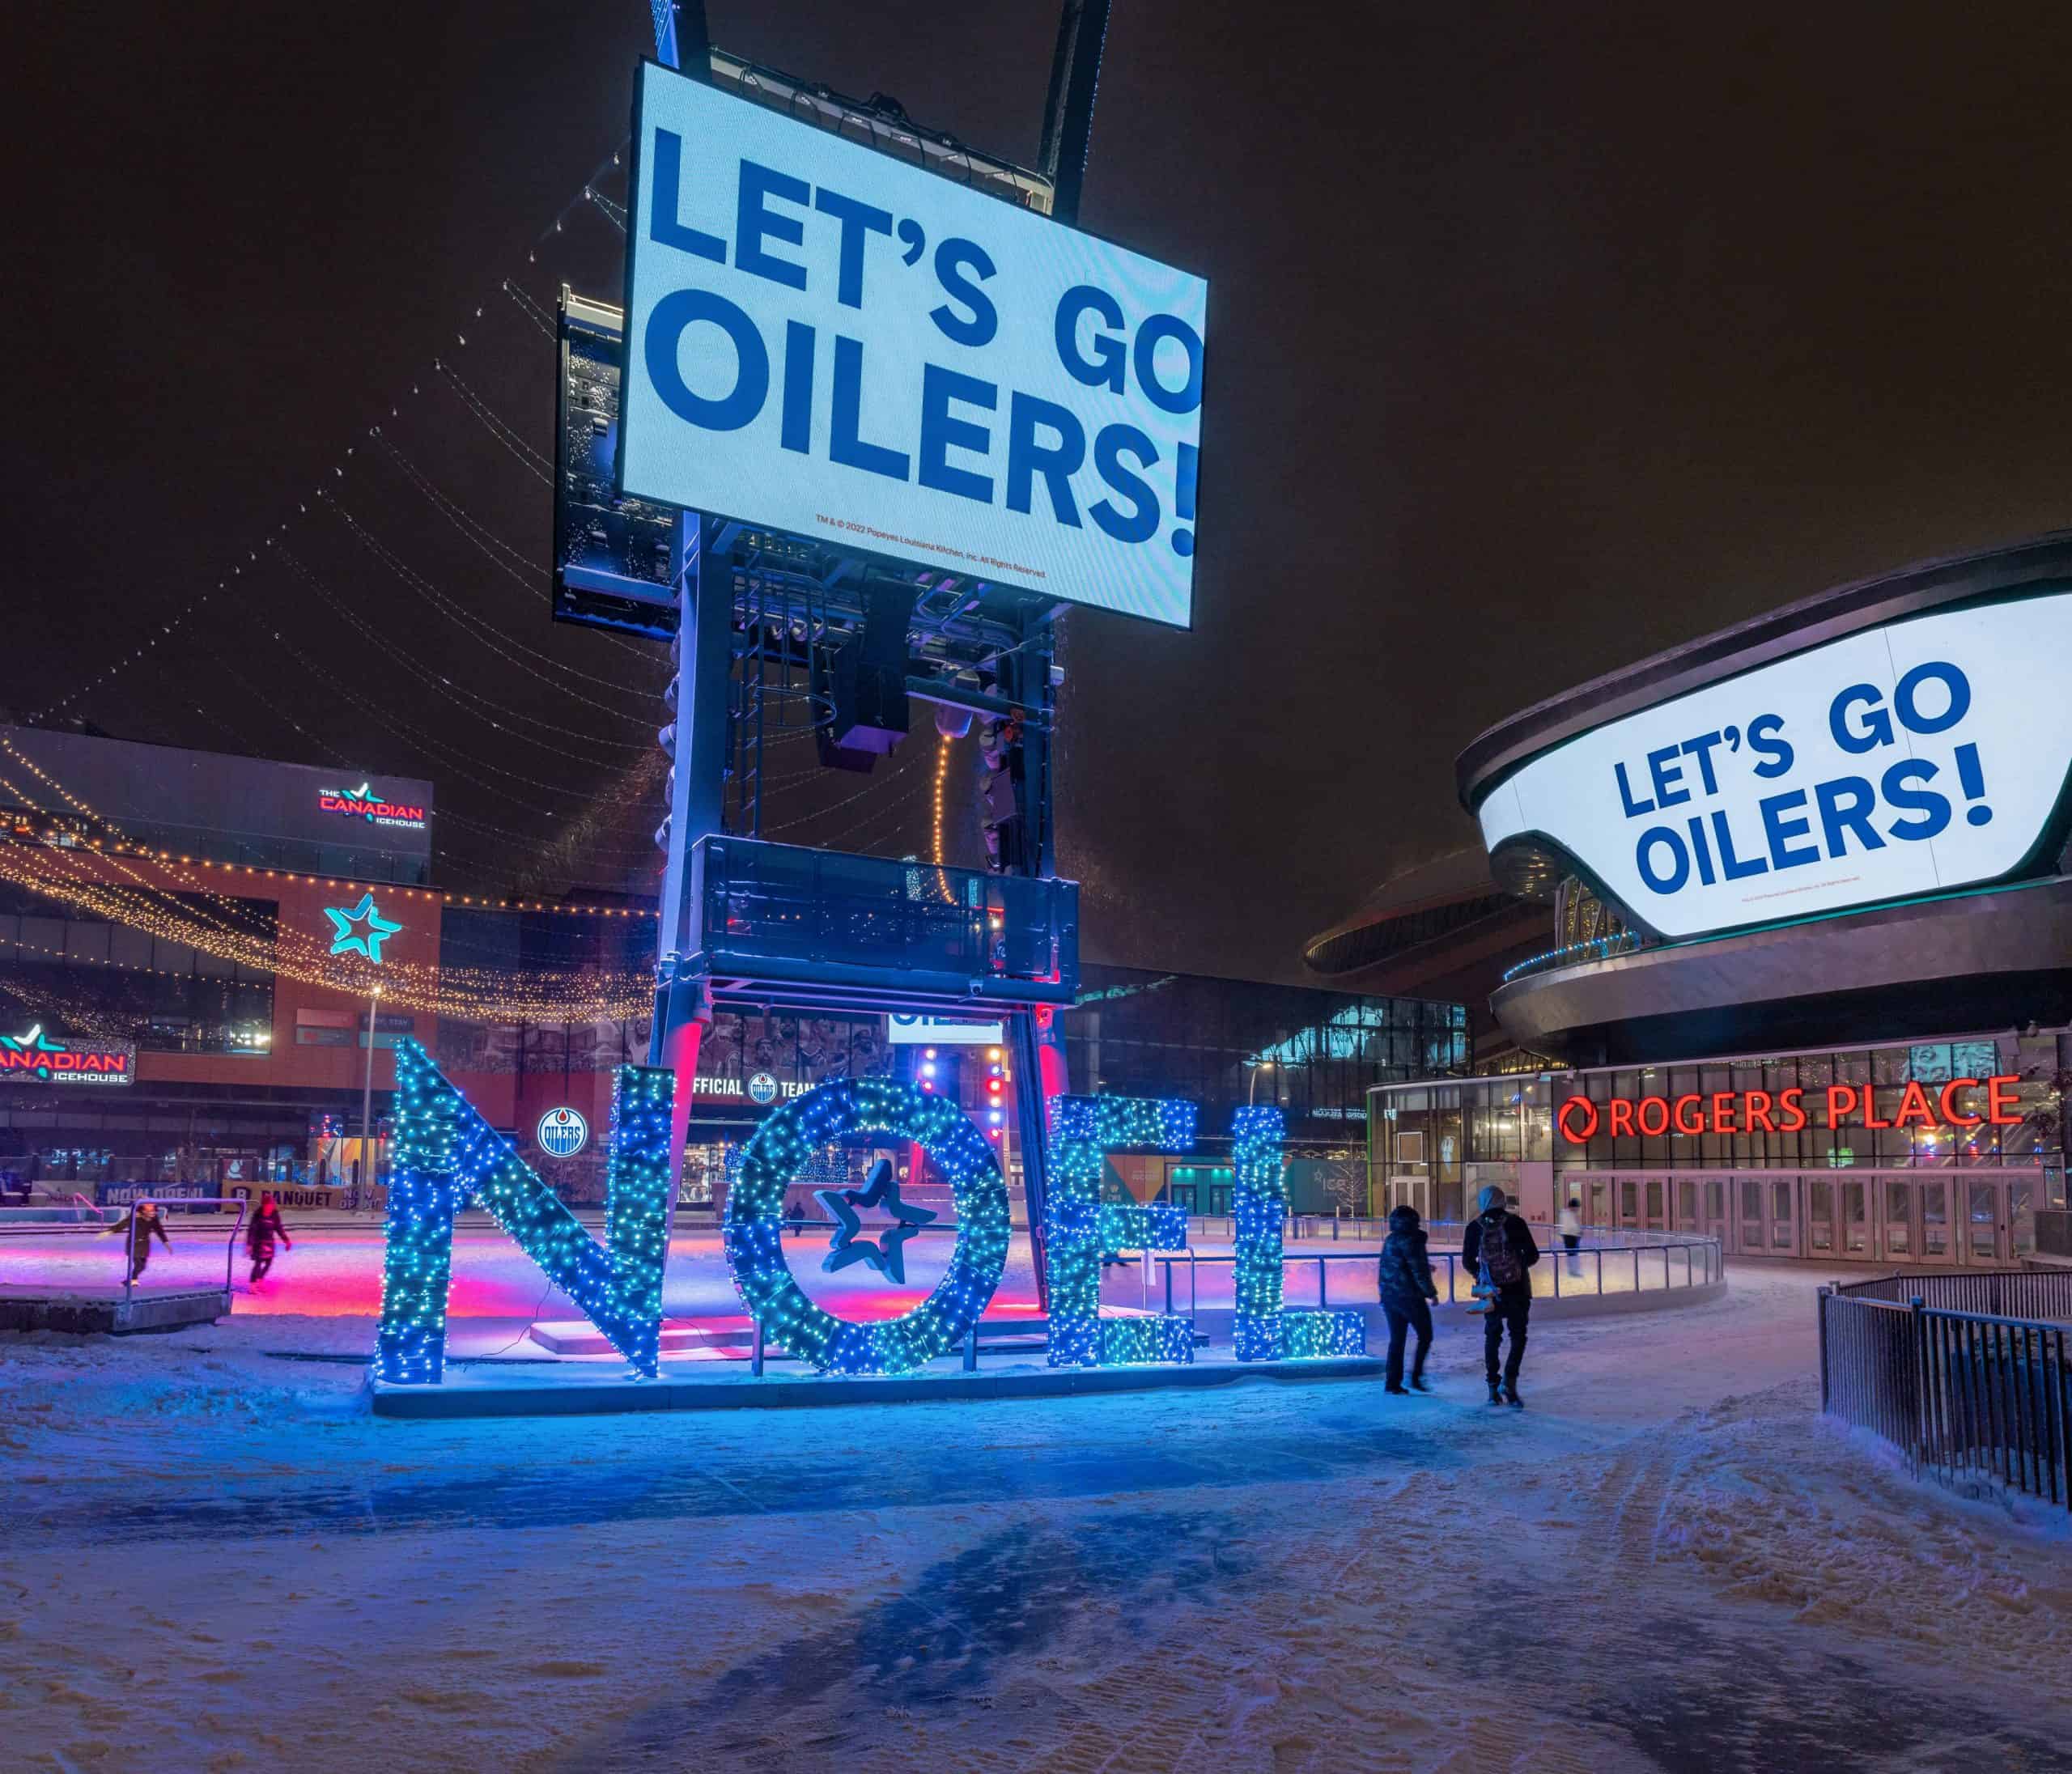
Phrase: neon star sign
(349,938)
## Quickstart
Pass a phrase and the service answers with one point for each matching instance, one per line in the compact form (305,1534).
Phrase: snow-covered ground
(213,1558)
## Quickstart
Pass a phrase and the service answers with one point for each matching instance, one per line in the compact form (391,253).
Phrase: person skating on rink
(1498,1246)
(144,1222)
(265,1232)
(1570,1225)
(1407,1290)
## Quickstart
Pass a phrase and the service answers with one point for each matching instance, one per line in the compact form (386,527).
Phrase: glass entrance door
(1852,1231)
(1935,1220)
(1984,1222)
(1901,1236)
(2021,1219)
(1784,1219)
(1821,1217)
(1753,1240)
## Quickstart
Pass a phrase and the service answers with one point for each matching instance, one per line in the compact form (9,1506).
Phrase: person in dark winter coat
(1498,1247)
(144,1222)
(1407,1293)
(264,1233)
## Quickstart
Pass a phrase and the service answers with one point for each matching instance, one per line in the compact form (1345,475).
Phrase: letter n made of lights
(446,1155)
(1078,1231)
(1264,1329)
(784,1145)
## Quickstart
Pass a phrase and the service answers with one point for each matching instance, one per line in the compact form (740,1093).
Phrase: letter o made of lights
(753,1226)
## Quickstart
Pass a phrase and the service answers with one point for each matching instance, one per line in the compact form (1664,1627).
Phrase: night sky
(1539,338)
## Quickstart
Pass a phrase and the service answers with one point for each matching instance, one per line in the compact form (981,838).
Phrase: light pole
(367,1099)
(1251,1094)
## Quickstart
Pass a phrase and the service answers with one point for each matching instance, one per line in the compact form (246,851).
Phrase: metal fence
(2044,1294)
(1962,1393)
(1350,1278)
(90,1252)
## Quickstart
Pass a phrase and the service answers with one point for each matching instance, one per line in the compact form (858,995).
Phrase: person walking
(1407,1292)
(1570,1225)
(264,1233)
(1498,1246)
(143,1223)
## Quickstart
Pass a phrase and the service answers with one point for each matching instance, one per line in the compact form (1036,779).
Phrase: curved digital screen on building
(822,338)
(1921,757)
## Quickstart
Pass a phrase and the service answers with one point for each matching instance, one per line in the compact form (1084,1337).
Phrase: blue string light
(1078,1230)
(1599,947)
(753,1227)
(1263,1330)
(446,1154)
(1153,1225)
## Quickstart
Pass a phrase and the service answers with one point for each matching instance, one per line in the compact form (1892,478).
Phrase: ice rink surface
(215,1560)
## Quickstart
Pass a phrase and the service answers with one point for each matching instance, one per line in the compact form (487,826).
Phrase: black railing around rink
(1965,1394)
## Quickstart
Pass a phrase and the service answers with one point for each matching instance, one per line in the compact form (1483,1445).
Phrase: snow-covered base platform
(109,1312)
(489,1391)
(736,1331)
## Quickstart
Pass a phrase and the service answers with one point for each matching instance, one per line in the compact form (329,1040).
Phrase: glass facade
(115,983)
(1773,1193)
(1317,1053)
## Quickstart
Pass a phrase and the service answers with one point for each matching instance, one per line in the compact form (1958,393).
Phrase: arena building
(1808,964)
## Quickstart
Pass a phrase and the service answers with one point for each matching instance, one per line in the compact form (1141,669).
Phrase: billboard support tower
(824,266)
(1069,110)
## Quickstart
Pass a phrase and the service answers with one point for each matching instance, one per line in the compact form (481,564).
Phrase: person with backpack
(1407,1292)
(1498,1247)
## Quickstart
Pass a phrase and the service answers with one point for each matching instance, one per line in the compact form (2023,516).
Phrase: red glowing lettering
(1762,1111)
(1951,1112)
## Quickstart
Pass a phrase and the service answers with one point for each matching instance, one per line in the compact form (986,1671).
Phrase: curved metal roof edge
(1794,628)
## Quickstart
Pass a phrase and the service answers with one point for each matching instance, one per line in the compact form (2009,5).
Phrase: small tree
(1345,1183)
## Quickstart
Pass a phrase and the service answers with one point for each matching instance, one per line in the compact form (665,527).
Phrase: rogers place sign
(1962,1102)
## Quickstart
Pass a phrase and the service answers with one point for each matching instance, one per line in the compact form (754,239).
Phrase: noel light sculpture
(445,1155)
(784,1145)
(1079,1230)
(1264,1329)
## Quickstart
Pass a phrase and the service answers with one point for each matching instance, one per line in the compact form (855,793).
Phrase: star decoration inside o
(887,1253)
(346,939)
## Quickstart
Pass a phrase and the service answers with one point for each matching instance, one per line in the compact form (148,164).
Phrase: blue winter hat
(1493,1197)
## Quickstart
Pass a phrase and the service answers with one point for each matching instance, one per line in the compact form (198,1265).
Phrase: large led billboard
(1927,755)
(825,340)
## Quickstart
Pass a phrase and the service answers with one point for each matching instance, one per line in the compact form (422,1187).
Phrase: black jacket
(1506,1225)
(1406,1271)
(142,1230)
(265,1228)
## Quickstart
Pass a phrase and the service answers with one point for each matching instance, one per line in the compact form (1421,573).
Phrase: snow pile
(214,1560)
